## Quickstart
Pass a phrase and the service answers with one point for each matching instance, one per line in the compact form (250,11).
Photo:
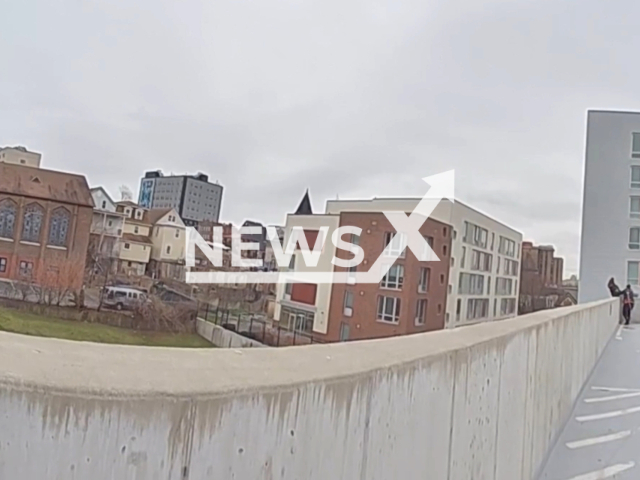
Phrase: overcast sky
(356,98)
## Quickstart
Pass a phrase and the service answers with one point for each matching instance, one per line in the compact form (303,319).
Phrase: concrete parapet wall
(480,402)
(221,337)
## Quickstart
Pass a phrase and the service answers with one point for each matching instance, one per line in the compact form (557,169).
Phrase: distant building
(153,242)
(20,156)
(107,227)
(135,248)
(45,222)
(541,284)
(475,280)
(193,196)
(270,262)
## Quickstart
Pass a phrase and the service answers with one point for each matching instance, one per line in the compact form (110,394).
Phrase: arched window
(8,210)
(59,227)
(32,223)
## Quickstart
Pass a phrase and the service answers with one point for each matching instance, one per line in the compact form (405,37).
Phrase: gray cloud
(350,98)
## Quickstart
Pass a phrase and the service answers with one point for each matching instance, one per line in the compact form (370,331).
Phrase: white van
(122,298)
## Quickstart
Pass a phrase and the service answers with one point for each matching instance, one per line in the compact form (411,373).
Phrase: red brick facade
(364,322)
(40,257)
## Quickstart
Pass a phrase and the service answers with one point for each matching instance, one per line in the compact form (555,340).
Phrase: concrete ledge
(481,402)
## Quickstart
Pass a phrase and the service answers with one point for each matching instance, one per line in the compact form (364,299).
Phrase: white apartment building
(485,258)
(20,156)
(610,240)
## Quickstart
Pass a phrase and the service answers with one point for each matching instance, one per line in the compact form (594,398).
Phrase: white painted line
(600,416)
(587,442)
(605,472)
(613,389)
(612,397)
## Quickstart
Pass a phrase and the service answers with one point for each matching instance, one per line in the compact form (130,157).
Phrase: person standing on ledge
(627,304)
(613,288)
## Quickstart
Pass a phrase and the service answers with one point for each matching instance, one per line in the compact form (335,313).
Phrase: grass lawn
(29,324)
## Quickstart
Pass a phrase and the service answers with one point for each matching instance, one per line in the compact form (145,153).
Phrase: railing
(255,327)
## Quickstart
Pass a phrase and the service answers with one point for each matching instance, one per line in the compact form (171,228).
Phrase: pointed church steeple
(305,205)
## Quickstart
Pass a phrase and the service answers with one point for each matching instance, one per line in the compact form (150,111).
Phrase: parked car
(123,298)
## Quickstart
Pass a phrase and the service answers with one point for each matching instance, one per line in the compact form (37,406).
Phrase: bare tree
(125,193)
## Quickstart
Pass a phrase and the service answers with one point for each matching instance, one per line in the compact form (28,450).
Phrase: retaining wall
(221,337)
(479,402)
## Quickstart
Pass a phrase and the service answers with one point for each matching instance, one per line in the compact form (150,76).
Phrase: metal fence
(256,327)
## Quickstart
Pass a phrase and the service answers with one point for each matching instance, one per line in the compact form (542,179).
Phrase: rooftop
(45,184)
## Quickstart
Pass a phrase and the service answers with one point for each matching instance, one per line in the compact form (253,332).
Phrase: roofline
(105,192)
(417,199)
(49,199)
(627,112)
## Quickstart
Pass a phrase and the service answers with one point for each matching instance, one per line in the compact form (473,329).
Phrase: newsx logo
(408,235)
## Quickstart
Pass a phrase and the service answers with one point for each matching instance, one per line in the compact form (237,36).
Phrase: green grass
(16,321)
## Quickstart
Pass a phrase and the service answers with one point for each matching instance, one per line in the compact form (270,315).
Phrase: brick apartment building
(476,279)
(45,220)
(410,299)
(541,283)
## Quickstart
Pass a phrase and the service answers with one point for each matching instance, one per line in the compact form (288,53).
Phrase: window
(389,309)
(59,227)
(507,247)
(3,264)
(110,223)
(421,312)
(458,307)
(477,308)
(481,261)
(427,254)
(168,249)
(394,244)
(464,254)
(32,223)
(475,235)
(498,266)
(635,145)
(510,267)
(635,176)
(104,204)
(471,284)
(351,274)
(8,210)
(634,238)
(127,246)
(288,288)
(355,239)
(493,237)
(423,281)
(489,285)
(177,233)
(348,304)
(507,306)
(632,273)
(504,286)
(394,277)
(444,250)
(136,230)
(442,279)
(138,214)
(344,332)
(26,268)
(634,208)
